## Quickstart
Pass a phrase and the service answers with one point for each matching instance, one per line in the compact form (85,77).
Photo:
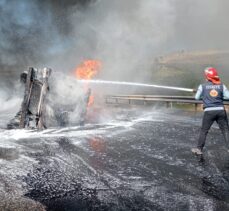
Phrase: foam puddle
(109,127)
(75,131)
(71,132)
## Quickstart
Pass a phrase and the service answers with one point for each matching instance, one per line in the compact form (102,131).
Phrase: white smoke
(10,104)
(10,100)
(124,35)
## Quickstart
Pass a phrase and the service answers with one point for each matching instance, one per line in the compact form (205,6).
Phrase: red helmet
(212,75)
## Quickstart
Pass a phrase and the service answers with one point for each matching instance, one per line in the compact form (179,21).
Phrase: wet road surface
(134,160)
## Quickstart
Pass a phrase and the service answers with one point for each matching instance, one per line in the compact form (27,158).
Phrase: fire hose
(136,84)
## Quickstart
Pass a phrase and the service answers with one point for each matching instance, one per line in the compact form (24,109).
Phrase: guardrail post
(196,105)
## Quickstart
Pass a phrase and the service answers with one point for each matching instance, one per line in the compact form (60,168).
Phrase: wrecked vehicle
(33,113)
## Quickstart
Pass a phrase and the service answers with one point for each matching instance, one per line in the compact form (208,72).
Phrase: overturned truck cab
(31,114)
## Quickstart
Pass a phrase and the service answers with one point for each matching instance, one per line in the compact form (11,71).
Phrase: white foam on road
(109,127)
(53,133)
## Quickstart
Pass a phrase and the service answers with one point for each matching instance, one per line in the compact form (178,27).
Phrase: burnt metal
(33,108)
(31,114)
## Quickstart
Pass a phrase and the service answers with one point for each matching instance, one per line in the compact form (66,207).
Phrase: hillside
(186,68)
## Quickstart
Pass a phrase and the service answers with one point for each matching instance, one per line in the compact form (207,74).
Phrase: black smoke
(30,31)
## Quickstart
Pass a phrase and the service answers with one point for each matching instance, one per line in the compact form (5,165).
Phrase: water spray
(135,84)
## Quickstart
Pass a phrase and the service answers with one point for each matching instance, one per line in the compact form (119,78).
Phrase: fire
(86,71)
(91,100)
(97,144)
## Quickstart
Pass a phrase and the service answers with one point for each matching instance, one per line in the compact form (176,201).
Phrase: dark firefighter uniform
(213,92)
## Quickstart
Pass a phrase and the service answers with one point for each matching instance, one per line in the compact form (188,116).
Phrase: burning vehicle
(43,106)
(33,113)
(72,108)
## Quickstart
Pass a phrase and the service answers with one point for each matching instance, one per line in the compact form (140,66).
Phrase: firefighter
(213,92)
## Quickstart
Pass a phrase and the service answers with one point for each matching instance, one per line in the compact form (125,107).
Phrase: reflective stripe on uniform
(214,108)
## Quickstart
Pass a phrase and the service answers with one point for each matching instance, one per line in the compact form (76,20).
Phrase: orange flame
(91,100)
(86,71)
(97,144)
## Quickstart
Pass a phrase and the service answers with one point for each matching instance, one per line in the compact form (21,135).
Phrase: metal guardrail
(169,100)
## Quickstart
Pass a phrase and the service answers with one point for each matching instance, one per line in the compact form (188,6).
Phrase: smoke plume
(124,35)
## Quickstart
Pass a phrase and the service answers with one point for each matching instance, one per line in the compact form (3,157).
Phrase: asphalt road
(124,158)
